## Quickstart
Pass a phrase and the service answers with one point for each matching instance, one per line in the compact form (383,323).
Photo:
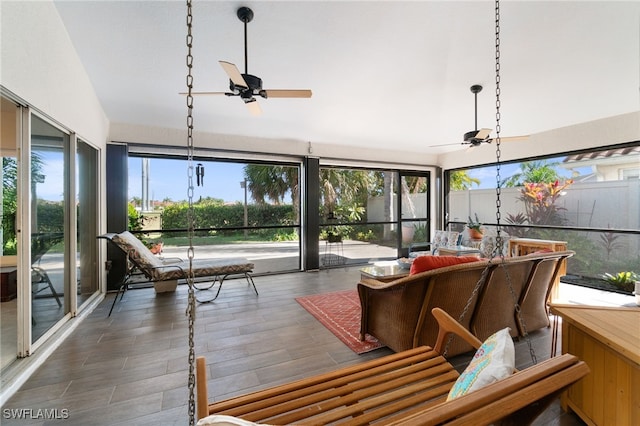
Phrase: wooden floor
(131,368)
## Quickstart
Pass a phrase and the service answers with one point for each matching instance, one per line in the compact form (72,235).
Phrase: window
(248,209)
(589,199)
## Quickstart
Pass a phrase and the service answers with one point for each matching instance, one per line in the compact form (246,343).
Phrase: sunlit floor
(131,368)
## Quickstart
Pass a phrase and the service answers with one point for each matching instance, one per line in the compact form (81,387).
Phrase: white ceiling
(385,74)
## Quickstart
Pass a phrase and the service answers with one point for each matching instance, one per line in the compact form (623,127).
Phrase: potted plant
(475,228)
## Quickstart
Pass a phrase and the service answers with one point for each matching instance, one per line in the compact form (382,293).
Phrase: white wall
(612,204)
(40,65)
(594,134)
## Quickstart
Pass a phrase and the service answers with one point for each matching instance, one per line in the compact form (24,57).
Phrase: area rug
(340,313)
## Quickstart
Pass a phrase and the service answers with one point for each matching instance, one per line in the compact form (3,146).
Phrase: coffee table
(384,271)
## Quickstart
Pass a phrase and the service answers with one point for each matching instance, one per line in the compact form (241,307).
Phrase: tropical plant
(517,219)
(623,280)
(610,243)
(136,220)
(10,197)
(540,201)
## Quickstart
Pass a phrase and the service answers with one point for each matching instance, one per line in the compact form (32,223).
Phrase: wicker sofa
(396,312)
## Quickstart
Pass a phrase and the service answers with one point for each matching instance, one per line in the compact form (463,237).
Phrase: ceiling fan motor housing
(471,136)
(255,85)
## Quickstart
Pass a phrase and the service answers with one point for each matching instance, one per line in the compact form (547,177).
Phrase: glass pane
(414,205)
(589,200)
(242,209)
(8,249)
(358,215)
(86,205)
(49,283)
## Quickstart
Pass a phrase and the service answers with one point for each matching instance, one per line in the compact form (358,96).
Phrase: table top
(616,327)
(387,270)
(459,250)
(535,241)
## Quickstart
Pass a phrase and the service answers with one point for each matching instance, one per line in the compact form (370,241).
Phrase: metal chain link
(499,242)
(191,299)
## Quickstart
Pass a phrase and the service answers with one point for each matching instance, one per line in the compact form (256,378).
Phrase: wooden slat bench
(408,387)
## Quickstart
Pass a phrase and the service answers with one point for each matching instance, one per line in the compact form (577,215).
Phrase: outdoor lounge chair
(40,245)
(405,388)
(139,258)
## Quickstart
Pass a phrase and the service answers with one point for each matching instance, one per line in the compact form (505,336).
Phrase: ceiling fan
(248,86)
(478,137)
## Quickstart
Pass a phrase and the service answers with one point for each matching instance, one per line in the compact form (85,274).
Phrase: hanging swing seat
(408,387)
(167,272)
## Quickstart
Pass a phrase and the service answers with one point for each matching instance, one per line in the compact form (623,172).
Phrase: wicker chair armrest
(373,284)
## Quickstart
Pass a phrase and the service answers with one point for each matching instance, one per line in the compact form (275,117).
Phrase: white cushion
(222,420)
(493,361)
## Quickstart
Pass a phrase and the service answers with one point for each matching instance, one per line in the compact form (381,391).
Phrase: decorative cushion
(136,250)
(493,361)
(222,420)
(427,263)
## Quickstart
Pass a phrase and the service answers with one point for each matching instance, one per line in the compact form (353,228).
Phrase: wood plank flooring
(132,368)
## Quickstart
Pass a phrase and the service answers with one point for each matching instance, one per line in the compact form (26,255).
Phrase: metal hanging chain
(191,299)
(499,243)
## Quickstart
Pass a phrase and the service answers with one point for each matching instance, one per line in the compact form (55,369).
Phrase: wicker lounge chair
(156,270)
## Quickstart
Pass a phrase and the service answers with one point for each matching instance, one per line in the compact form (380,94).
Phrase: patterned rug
(340,313)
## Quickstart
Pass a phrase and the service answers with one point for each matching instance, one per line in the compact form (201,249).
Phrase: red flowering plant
(540,201)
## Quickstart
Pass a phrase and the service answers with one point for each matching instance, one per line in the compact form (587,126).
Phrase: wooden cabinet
(608,340)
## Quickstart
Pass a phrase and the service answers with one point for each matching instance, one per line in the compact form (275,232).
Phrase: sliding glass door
(86,206)
(50,283)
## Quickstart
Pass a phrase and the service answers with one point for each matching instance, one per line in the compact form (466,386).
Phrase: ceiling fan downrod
(475,89)
(472,135)
(245,15)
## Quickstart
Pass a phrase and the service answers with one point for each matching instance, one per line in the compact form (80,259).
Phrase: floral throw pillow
(493,361)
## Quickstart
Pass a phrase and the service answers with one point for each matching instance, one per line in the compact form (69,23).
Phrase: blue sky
(168,178)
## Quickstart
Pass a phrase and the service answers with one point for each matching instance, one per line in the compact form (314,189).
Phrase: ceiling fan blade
(254,107)
(233,73)
(204,93)
(483,134)
(511,138)
(446,144)
(285,93)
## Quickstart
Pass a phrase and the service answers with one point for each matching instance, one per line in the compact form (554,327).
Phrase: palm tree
(533,172)
(269,182)
(343,186)
(460,180)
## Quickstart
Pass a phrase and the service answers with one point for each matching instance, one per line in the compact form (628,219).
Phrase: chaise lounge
(166,273)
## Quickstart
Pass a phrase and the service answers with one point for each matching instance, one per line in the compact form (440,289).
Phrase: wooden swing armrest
(202,401)
(447,325)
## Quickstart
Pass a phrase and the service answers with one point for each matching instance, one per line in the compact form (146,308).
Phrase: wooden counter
(608,340)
